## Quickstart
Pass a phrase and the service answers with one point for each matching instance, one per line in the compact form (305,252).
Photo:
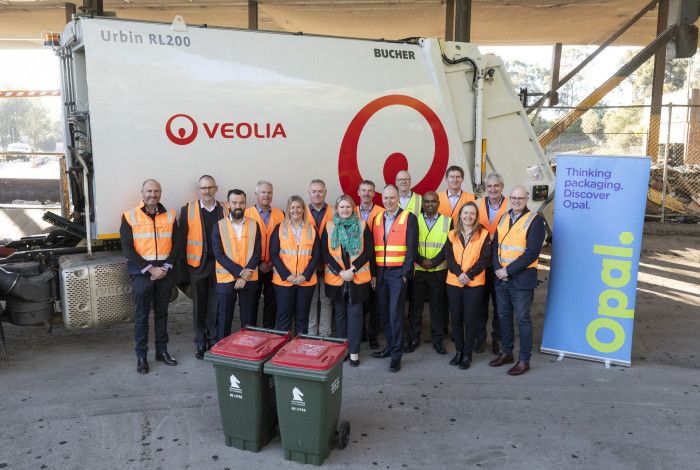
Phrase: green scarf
(346,233)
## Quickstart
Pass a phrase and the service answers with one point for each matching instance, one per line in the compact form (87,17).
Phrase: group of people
(355,264)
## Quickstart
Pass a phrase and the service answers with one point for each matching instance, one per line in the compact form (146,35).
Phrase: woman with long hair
(295,253)
(467,252)
(346,244)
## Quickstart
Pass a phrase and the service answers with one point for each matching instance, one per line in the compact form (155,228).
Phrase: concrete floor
(72,399)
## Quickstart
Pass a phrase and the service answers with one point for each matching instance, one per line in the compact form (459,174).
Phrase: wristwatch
(353,269)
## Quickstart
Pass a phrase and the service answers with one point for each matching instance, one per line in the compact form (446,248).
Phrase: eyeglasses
(518,199)
(403,180)
(207,188)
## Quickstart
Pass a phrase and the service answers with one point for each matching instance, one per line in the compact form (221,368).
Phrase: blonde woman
(347,248)
(468,253)
(295,254)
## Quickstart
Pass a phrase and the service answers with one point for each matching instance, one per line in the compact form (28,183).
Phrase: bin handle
(324,338)
(267,330)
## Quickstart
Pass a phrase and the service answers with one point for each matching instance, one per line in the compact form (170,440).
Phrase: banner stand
(607,361)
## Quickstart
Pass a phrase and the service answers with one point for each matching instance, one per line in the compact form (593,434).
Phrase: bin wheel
(343,435)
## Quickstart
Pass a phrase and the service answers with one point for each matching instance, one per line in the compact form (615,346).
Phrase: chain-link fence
(674,188)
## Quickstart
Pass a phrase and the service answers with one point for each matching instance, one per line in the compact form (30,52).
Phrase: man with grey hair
(267,218)
(492,207)
(318,213)
(519,237)
(196,221)
(408,200)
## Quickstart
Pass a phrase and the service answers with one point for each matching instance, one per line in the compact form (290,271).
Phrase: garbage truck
(174,101)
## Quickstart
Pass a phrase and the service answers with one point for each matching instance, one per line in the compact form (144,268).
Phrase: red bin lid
(250,345)
(312,354)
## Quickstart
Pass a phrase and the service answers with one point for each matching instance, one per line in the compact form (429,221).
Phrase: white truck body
(173,102)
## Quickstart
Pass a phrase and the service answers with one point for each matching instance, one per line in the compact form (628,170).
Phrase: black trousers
(429,286)
(204,305)
(489,293)
(149,293)
(293,303)
(227,297)
(269,303)
(348,323)
(465,303)
(391,295)
(370,315)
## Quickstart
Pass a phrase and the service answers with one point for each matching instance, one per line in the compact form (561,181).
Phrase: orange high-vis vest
(295,256)
(195,233)
(327,217)
(276,217)
(391,252)
(153,238)
(484,215)
(362,275)
(376,209)
(467,256)
(513,240)
(446,208)
(239,251)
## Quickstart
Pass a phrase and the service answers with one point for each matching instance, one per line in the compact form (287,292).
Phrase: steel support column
(657,86)
(449,20)
(70,9)
(463,20)
(252,14)
(554,82)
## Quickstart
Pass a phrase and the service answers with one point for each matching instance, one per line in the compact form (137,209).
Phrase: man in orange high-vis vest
(319,213)
(197,219)
(518,240)
(395,234)
(151,243)
(367,210)
(267,218)
(237,247)
(492,207)
(453,198)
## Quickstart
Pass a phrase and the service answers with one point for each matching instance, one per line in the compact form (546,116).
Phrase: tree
(27,118)
(534,77)
(676,73)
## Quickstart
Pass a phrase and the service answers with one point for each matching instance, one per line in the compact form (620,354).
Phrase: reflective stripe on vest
(295,256)
(415,204)
(153,238)
(445,207)
(512,241)
(391,252)
(467,257)
(431,241)
(484,215)
(362,275)
(276,217)
(238,251)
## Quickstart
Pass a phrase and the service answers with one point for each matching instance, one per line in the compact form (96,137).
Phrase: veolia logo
(235,383)
(348,169)
(297,395)
(181,136)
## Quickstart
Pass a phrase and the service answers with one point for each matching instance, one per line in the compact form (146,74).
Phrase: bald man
(151,244)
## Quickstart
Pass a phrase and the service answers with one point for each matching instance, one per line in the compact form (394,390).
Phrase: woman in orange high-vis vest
(347,247)
(467,252)
(295,254)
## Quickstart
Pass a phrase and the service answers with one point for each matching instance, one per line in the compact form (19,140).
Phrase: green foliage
(28,118)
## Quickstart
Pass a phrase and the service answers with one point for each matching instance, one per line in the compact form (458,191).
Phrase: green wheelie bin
(246,394)
(308,374)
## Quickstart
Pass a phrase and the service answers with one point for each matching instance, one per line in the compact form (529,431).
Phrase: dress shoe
(412,346)
(354,363)
(373,343)
(142,365)
(502,359)
(496,347)
(166,358)
(439,348)
(479,348)
(457,359)
(465,363)
(520,368)
(395,365)
(383,354)
(200,353)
